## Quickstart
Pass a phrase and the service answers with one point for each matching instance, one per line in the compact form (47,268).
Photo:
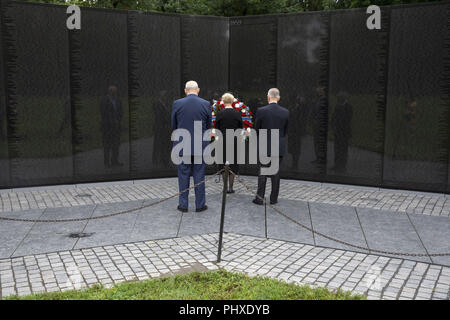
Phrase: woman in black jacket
(229,118)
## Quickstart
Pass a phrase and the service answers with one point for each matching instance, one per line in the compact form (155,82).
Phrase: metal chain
(116,213)
(251,191)
(334,239)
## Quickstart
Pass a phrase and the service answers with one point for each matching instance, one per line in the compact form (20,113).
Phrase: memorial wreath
(243,109)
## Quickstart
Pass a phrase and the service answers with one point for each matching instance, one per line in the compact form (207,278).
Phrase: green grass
(212,285)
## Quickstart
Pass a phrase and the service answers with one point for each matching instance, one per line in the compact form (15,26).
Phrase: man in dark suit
(341,123)
(319,118)
(162,128)
(299,113)
(184,112)
(2,122)
(272,116)
(111,117)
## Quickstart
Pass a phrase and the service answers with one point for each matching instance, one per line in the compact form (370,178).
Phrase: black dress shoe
(205,207)
(255,201)
(180,208)
(230,191)
(273,202)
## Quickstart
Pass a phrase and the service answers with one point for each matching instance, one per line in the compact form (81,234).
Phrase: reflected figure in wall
(111,117)
(2,124)
(318,124)
(341,123)
(410,112)
(216,96)
(162,131)
(67,115)
(254,104)
(298,115)
(406,130)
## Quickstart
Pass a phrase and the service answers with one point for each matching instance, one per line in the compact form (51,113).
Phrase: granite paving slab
(278,227)
(379,229)
(208,221)
(111,230)
(13,232)
(47,237)
(388,232)
(339,222)
(244,217)
(435,235)
(157,222)
(370,275)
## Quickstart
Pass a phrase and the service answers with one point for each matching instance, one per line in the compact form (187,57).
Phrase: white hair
(191,85)
(273,93)
(228,98)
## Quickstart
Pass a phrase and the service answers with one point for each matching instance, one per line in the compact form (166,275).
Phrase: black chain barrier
(334,239)
(115,213)
(249,190)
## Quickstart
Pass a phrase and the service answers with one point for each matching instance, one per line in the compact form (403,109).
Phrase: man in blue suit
(272,116)
(185,112)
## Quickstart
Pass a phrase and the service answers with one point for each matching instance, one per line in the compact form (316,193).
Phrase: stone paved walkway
(371,275)
(36,257)
(84,194)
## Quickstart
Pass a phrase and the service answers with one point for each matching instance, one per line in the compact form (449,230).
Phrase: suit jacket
(187,110)
(273,116)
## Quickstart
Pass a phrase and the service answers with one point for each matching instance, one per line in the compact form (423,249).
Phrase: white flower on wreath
(213,133)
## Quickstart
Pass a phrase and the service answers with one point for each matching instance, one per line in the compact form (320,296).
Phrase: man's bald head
(191,87)
(273,95)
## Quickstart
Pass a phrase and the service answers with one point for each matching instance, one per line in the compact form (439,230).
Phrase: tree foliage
(229,7)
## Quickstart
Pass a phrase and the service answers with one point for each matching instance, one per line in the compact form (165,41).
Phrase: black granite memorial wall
(368,107)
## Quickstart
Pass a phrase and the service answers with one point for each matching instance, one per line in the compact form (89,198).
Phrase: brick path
(375,276)
(394,201)
(378,277)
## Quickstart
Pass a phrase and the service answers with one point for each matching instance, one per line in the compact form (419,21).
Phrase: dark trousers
(341,152)
(2,135)
(184,174)
(111,150)
(111,144)
(295,150)
(275,179)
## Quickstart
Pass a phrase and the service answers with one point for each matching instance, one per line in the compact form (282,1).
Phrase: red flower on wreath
(243,109)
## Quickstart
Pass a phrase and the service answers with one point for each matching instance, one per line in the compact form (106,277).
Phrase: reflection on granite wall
(303,47)
(40,146)
(4,157)
(368,107)
(416,141)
